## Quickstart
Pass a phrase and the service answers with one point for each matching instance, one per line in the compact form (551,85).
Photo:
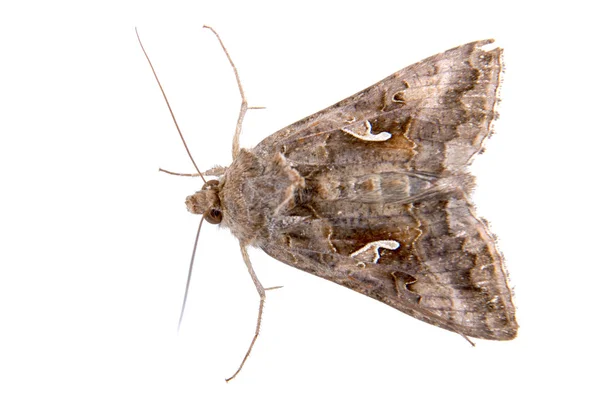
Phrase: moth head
(206,202)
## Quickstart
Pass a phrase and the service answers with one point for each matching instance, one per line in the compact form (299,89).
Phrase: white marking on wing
(370,252)
(363,132)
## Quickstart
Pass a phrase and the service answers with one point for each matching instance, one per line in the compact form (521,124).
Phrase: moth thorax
(202,201)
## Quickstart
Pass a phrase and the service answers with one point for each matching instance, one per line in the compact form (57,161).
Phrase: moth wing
(438,112)
(379,200)
(431,259)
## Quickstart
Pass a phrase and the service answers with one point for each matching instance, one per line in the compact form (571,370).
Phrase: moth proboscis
(373,193)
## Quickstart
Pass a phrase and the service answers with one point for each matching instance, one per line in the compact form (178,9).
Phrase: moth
(373,193)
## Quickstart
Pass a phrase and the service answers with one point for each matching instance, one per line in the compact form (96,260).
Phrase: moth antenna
(263,296)
(168,105)
(244,107)
(189,278)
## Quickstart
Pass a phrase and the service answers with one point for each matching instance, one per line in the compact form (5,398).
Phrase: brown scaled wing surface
(373,193)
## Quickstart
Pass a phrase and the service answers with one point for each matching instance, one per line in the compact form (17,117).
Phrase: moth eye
(213,216)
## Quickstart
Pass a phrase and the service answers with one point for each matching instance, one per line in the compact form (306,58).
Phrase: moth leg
(215,171)
(273,288)
(166,171)
(261,293)
(244,106)
(467,339)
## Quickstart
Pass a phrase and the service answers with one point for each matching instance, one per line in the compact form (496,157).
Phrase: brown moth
(372,193)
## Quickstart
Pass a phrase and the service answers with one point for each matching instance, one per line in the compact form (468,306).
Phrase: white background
(95,243)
